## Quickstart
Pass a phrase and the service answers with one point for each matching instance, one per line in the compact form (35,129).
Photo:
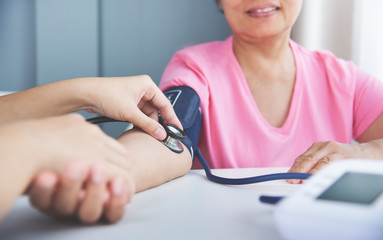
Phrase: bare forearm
(43,101)
(12,185)
(16,171)
(371,150)
(151,162)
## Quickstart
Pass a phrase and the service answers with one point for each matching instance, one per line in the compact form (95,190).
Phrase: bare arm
(373,132)
(370,146)
(43,101)
(136,99)
(14,173)
(152,163)
(29,147)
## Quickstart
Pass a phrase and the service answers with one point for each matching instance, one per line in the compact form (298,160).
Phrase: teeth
(265,10)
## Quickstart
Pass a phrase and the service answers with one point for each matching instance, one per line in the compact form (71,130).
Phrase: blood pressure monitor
(344,200)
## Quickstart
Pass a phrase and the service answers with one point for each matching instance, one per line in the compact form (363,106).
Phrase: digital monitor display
(354,187)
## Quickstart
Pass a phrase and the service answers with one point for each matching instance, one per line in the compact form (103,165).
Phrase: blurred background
(44,41)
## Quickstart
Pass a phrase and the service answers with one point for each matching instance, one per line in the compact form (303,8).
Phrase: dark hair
(218,2)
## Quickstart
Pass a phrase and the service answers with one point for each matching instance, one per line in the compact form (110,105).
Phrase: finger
(305,162)
(131,188)
(91,207)
(71,181)
(154,95)
(148,125)
(42,190)
(149,110)
(309,158)
(114,209)
(166,109)
(324,161)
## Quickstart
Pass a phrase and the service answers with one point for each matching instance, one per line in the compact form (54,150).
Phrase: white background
(351,29)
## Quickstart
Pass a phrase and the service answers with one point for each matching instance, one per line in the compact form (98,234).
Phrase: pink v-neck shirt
(332,100)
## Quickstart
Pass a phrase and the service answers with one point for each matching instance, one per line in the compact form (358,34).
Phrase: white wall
(326,24)
(351,29)
(368,35)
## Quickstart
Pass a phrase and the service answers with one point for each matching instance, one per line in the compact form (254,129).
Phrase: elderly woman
(266,101)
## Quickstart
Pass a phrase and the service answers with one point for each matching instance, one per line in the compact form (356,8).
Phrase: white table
(5,93)
(190,207)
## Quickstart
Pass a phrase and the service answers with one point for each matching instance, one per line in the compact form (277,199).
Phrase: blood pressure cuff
(186,104)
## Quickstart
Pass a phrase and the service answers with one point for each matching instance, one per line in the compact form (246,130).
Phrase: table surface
(190,207)
(4,93)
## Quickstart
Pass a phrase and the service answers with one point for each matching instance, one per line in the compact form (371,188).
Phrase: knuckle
(332,144)
(325,160)
(315,144)
(299,168)
(150,125)
(145,78)
(299,161)
(312,157)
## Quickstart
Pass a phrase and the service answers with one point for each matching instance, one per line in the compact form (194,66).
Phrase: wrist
(74,94)
(85,91)
(372,149)
(18,152)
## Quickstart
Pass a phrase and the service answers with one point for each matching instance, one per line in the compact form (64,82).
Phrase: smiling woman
(349,34)
(291,106)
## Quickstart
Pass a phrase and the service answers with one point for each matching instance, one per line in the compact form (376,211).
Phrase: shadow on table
(27,223)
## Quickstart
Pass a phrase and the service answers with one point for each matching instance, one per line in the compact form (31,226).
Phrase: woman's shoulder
(208,52)
(324,60)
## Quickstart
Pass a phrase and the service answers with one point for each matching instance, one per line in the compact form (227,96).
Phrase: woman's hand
(74,150)
(82,193)
(322,153)
(135,99)
(70,137)
(95,183)
(319,155)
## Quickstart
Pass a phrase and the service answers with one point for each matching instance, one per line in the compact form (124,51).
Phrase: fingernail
(74,171)
(97,173)
(160,133)
(117,187)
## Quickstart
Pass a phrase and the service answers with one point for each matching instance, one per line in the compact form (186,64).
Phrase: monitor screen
(354,187)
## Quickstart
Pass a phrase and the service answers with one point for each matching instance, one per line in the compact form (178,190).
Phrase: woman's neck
(264,58)
(269,69)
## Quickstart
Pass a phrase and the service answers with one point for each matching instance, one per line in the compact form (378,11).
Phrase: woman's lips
(263,12)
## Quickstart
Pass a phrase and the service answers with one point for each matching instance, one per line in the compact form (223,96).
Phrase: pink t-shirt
(332,100)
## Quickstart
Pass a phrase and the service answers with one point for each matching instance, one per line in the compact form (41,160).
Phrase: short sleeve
(183,71)
(368,101)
